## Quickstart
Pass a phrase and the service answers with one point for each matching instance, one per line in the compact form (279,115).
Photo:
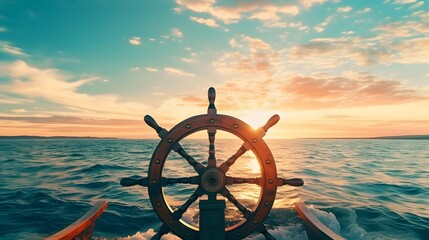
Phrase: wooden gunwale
(82,228)
(315,229)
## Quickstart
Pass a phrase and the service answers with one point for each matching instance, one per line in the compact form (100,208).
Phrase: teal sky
(330,68)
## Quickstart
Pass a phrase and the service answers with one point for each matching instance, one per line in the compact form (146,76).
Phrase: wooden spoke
(224,167)
(212,158)
(234,180)
(164,229)
(162,133)
(164,181)
(245,211)
(182,209)
(263,230)
(198,167)
(296,182)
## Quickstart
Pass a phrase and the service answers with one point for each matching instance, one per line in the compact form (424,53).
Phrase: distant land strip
(52,137)
(401,137)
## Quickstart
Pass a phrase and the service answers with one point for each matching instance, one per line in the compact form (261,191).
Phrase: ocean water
(362,189)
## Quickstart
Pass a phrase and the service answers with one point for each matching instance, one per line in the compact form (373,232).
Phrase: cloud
(251,55)
(404,1)
(176,32)
(264,11)
(344,9)
(419,4)
(310,3)
(209,22)
(10,49)
(19,110)
(402,29)
(53,86)
(301,92)
(365,10)
(187,60)
(151,69)
(178,72)
(3,29)
(135,40)
(412,51)
(13,100)
(269,15)
(333,52)
(135,69)
(196,5)
(321,27)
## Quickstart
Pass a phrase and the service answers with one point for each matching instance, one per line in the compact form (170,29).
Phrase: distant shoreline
(400,137)
(53,137)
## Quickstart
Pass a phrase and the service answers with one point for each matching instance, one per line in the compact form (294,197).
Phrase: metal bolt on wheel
(213,179)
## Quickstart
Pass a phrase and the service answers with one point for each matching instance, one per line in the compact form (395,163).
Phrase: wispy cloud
(10,49)
(250,55)
(345,9)
(4,99)
(56,87)
(135,40)
(405,1)
(310,3)
(187,60)
(419,4)
(178,72)
(176,32)
(321,27)
(266,12)
(206,21)
(151,69)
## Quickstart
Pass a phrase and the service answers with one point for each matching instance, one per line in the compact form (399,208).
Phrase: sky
(329,68)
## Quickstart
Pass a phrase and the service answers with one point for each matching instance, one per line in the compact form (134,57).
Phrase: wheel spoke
(224,167)
(263,230)
(162,133)
(164,181)
(164,229)
(296,182)
(245,211)
(198,167)
(234,180)
(182,209)
(212,158)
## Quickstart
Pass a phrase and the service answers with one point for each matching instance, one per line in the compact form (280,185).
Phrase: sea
(360,188)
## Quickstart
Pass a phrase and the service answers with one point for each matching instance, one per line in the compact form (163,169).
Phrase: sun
(256,118)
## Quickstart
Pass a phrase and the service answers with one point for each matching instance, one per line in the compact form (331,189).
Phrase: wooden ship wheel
(212,180)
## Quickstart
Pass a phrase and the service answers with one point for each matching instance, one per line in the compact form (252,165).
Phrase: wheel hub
(213,180)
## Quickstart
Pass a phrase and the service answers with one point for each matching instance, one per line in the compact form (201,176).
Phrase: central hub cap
(213,180)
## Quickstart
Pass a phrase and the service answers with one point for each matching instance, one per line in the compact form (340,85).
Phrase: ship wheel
(212,180)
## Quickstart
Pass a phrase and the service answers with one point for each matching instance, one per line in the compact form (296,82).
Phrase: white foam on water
(148,235)
(292,232)
(351,230)
(328,219)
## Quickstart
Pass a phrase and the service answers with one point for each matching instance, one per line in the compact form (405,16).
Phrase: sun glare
(257,118)
(253,165)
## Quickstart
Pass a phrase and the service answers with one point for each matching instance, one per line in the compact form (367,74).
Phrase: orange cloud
(298,92)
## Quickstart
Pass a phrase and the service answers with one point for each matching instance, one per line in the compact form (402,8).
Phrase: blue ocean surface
(362,189)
